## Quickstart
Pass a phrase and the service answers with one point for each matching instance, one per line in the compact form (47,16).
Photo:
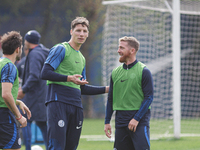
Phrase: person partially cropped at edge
(130,95)
(33,90)
(9,133)
(65,71)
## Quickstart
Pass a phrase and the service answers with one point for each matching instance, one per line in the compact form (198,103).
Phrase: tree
(52,19)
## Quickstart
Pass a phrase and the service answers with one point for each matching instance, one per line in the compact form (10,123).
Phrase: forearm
(49,74)
(109,106)
(147,88)
(9,101)
(92,90)
(143,108)
(109,112)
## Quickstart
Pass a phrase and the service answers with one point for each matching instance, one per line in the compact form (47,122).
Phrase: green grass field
(93,138)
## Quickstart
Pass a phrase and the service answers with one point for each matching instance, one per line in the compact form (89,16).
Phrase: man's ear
(133,50)
(17,50)
(71,32)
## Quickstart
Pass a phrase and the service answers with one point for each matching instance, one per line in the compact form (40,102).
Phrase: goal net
(151,23)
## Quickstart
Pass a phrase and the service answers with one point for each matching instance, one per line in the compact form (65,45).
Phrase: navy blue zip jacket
(33,86)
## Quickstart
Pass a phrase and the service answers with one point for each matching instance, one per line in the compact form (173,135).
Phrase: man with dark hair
(33,90)
(65,71)
(130,95)
(9,134)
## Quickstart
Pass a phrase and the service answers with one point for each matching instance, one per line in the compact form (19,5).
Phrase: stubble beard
(122,59)
(18,56)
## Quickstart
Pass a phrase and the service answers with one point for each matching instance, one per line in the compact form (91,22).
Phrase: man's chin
(121,60)
(17,58)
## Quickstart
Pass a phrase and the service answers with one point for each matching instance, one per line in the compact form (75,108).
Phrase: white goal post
(176,68)
(168,32)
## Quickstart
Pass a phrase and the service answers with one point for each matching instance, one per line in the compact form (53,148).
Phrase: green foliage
(52,18)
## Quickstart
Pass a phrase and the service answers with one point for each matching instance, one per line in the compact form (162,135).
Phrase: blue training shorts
(9,135)
(64,124)
(129,140)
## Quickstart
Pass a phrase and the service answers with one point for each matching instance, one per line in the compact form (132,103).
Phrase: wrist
(18,102)
(19,117)
(68,78)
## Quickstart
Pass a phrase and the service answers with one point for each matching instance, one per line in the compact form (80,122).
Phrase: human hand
(133,125)
(24,108)
(20,93)
(76,79)
(23,121)
(107,130)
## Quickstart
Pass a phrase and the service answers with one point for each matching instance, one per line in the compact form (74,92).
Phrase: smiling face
(125,52)
(79,34)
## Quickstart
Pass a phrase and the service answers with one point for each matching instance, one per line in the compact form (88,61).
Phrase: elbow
(42,76)
(5,96)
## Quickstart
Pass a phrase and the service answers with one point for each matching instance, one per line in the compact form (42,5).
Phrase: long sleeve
(34,64)
(49,74)
(109,107)
(147,87)
(92,90)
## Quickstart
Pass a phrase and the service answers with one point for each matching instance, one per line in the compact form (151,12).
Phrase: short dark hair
(80,20)
(10,41)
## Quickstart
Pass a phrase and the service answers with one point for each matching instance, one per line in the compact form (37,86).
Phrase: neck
(74,45)
(32,46)
(11,57)
(130,61)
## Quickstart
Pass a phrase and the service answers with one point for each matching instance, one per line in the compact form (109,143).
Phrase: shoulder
(146,70)
(141,64)
(118,68)
(146,74)
(43,47)
(39,49)
(9,65)
(57,48)
(9,68)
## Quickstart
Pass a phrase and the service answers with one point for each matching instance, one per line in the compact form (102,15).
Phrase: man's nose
(118,50)
(82,33)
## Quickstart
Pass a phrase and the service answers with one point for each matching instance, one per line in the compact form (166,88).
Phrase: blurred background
(52,19)
(151,23)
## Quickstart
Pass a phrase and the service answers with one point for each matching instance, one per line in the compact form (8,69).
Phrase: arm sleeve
(35,64)
(109,108)
(8,73)
(92,90)
(49,74)
(84,74)
(147,87)
(56,56)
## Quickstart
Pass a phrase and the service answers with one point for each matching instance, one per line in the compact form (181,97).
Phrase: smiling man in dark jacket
(33,90)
